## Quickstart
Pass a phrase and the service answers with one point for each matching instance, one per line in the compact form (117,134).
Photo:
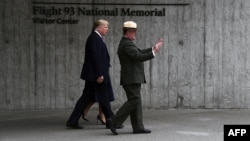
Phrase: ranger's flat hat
(130,24)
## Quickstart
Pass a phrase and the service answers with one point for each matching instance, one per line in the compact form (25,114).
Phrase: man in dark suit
(132,75)
(95,72)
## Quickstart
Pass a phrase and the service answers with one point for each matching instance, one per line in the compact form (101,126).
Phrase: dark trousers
(91,88)
(132,107)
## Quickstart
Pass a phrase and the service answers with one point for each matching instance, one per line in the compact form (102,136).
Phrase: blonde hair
(98,23)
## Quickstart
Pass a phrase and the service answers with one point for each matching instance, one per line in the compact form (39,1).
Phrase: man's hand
(157,45)
(100,79)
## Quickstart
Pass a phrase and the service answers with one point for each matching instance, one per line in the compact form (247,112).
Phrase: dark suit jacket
(131,60)
(97,60)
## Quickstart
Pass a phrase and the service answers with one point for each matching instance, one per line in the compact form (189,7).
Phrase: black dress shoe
(111,126)
(119,126)
(143,131)
(74,126)
(116,126)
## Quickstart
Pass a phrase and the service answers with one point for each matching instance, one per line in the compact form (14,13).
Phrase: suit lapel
(104,46)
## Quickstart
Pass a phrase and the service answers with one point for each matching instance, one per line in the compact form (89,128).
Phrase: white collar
(98,33)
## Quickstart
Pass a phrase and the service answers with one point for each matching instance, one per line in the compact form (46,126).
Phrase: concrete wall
(205,61)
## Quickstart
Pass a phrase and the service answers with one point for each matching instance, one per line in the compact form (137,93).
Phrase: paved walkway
(166,125)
